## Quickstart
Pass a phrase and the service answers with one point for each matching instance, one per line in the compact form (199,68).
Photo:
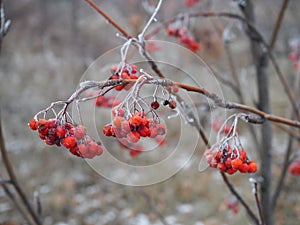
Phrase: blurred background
(47,49)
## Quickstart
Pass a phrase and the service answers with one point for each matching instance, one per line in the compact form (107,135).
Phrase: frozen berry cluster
(128,72)
(133,127)
(182,34)
(294,167)
(230,160)
(73,137)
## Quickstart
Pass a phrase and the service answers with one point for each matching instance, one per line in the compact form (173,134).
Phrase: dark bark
(261,62)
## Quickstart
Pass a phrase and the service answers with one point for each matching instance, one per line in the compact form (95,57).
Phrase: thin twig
(278,23)
(13,178)
(231,105)
(16,203)
(240,199)
(258,205)
(109,19)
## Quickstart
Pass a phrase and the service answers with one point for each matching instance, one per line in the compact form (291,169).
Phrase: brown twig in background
(109,19)
(231,105)
(14,201)
(13,178)
(278,23)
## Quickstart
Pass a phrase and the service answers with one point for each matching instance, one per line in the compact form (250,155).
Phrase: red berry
(79,132)
(117,122)
(209,158)
(236,163)
(69,126)
(231,171)
(133,136)
(172,104)
(134,153)
(243,155)
(69,142)
(82,149)
(154,105)
(125,126)
(107,130)
(252,167)
(49,142)
(153,132)
(119,87)
(99,150)
(51,123)
(43,130)
(175,89)
(32,124)
(135,120)
(119,112)
(244,168)
(60,131)
(228,163)
(221,167)
(75,151)
(93,148)
(144,131)
(294,167)
(41,122)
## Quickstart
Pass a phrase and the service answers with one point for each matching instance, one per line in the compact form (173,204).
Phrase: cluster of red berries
(294,167)
(74,138)
(230,160)
(191,3)
(107,101)
(128,72)
(183,37)
(133,127)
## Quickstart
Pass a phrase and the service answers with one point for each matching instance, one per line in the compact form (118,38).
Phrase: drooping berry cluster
(126,72)
(133,127)
(191,3)
(230,160)
(183,36)
(73,137)
(294,167)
